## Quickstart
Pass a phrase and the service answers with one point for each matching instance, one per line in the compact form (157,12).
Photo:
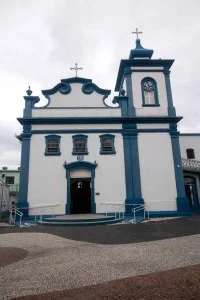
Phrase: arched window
(79,144)
(190,153)
(149,92)
(52,145)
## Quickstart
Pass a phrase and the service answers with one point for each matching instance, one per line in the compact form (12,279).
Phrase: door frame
(78,165)
(75,181)
(196,197)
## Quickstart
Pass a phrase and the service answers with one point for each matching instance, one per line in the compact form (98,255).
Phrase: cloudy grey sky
(42,39)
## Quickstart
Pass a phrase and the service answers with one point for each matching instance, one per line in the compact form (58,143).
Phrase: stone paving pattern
(56,263)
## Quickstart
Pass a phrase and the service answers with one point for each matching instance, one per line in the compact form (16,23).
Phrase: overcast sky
(42,39)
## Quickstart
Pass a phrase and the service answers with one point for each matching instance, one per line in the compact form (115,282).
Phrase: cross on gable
(76,68)
(137,32)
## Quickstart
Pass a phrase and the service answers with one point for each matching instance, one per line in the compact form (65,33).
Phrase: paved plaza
(52,262)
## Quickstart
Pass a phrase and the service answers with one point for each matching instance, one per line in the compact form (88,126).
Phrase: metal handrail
(138,208)
(113,208)
(16,212)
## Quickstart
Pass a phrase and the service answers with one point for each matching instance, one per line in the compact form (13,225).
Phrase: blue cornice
(99,120)
(64,87)
(80,165)
(76,80)
(89,87)
(189,134)
(128,63)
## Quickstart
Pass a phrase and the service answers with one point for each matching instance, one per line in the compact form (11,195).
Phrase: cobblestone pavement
(55,263)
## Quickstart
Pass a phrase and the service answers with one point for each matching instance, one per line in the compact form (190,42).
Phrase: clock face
(148,86)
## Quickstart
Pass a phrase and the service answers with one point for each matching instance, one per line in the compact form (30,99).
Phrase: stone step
(59,219)
(78,223)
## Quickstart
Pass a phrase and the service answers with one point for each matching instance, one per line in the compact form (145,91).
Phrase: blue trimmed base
(134,201)
(23,207)
(182,204)
(168,213)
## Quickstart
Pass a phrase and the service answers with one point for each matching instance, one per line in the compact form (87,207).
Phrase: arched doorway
(191,192)
(80,189)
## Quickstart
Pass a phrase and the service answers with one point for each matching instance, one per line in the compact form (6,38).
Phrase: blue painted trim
(181,200)
(98,120)
(129,91)
(24,171)
(80,107)
(76,131)
(62,87)
(168,213)
(105,136)
(189,134)
(30,101)
(196,196)
(147,70)
(128,63)
(171,108)
(123,104)
(156,102)
(75,166)
(150,105)
(132,169)
(140,52)
(84,138)
(76,80)
(47,138)
(89,87)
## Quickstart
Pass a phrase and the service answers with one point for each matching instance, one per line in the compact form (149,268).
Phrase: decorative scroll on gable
(76,92)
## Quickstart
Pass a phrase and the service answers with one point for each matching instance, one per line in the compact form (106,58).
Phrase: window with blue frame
(52,145)
(80,144)
(149,92)
(107,144)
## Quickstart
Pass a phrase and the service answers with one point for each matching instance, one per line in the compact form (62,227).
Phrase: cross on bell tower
(137,33)
(76,68)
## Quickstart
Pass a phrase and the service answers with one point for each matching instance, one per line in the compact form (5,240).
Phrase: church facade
(83,156)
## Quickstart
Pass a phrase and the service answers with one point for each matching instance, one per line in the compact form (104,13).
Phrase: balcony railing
(192,165)
(13,188)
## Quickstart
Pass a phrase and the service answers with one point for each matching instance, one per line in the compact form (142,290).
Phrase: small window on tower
(80,144)
(52,145)
(149,92)
(190,153)
(107,144)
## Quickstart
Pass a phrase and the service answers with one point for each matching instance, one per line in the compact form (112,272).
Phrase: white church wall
(190,142)
(86,112)
(157,171)
(47,176)
(137,94)
(153,126)
(77,127)
(76,98)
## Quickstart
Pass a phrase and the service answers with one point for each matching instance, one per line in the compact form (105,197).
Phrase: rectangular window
(190,153)
(107,144)
(79,144)
(10,180)
(52,145)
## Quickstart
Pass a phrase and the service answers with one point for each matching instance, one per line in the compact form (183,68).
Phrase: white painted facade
(145,168)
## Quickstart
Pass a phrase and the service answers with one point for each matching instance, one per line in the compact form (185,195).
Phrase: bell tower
(154,175)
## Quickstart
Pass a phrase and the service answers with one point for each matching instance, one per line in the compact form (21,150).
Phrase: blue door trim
(76,166)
